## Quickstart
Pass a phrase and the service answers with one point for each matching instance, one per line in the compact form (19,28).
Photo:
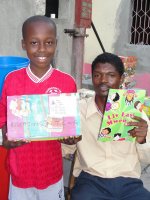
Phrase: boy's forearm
(4,136)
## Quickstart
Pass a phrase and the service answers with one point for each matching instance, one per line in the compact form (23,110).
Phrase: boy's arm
(10,144)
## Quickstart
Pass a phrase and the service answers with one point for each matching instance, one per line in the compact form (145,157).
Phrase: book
(43,117)
(121,106)
(130,67)
(147,106)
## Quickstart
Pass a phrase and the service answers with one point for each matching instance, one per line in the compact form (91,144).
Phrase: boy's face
(104,77)
(40,44)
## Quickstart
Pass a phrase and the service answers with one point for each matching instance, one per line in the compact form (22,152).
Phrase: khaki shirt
(105,159)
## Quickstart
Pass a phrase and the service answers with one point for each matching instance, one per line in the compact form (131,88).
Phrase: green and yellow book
(121,106)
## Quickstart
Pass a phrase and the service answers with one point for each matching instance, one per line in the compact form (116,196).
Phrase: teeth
(42,58)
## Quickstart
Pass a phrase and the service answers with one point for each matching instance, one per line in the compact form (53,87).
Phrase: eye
(50,43)
(112,75)
(34,43)
(96,75)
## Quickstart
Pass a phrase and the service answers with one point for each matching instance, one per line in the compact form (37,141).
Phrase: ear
(23,44)
(56,41)
(122,79)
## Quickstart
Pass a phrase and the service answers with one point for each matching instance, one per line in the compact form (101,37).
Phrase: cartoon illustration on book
(105,132)
(146,106)
(121,106)
(112,102)
(117,137)
(129,96)
(139,106)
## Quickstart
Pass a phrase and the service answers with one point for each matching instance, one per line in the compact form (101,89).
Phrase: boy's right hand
(70,140)
(8,144)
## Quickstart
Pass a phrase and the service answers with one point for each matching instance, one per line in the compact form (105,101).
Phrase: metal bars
(140,25)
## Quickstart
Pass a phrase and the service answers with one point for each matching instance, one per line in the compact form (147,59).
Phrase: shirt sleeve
(68,149)
(144,149)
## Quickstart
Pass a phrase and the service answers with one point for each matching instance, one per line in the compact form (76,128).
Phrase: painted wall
(112,20)
(103,17)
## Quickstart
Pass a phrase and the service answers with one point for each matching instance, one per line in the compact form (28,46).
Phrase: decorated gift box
(38,117)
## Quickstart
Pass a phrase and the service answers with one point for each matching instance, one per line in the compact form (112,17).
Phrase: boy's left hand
(140,129)
(70,140)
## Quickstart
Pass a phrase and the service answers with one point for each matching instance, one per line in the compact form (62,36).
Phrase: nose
(104,78)
(41,47)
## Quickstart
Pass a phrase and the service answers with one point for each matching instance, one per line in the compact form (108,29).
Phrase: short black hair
(117,134)
(111,59)
(37,18)
(117,97)
(136,103)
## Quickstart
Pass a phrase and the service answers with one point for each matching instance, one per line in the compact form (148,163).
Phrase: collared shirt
(105,159)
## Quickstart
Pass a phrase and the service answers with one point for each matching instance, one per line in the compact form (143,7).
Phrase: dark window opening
(52,8)
(140,27)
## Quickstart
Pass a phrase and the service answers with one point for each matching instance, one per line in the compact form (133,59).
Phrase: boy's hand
(8,144)
(70,140)
(140,129)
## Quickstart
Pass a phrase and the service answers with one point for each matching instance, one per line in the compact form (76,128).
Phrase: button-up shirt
(105,159)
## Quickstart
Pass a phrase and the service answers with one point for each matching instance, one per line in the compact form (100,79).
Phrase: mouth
(103,88)
(41,58)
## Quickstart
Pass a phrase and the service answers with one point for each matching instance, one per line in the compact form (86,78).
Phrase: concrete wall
(111,19)
(14,12)
(121,43)
(65,20)
(12,15)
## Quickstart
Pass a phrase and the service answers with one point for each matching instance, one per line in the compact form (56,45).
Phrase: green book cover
(147,106)
(121,106)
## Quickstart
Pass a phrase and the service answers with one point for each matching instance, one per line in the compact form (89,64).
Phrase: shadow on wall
(121,26)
